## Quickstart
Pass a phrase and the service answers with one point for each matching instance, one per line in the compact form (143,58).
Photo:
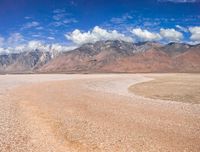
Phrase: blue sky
(74,22)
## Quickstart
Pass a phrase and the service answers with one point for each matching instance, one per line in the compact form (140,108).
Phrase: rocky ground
(92,113)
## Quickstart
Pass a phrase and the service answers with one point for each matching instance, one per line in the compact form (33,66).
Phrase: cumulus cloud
(56,48)
(171,34)
(195,33)
(97,34)
(34,44)
(145,35)
(61,48)
(37,45)
(29,46)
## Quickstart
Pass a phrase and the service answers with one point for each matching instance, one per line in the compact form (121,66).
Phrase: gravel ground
(91,113)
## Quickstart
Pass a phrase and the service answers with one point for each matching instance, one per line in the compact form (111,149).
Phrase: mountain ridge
(119,56)
(106,57)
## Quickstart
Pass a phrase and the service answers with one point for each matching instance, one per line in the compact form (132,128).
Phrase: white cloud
(64,22)
(193,42)
(34,44)
(29,46)
(14,38)
(171,34)
(59,11)
(39,28)
(195,33)
(59,16)
(145,35)
(57,24)
(36,35)
(61,48)
(70,20)
(2,51)
(122,19)
(6,45)
(181,28)
(27,17)
(97,34)
(56,48)
(9,50)
(30,25)
(51,38)
(37,45)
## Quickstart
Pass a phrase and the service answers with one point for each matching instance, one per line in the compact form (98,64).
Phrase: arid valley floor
(100,112)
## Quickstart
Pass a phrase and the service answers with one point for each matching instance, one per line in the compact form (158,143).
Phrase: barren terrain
(94,113)
(179,87)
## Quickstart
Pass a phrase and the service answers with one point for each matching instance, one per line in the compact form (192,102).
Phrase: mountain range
(106,57)
(24,62)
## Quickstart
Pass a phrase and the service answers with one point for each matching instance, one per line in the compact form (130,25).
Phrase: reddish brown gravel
(59,113)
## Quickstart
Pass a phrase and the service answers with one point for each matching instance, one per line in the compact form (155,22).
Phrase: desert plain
(100,112)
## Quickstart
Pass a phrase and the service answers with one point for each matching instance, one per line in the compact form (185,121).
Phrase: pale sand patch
(97,113)
(175,87)
(116,85)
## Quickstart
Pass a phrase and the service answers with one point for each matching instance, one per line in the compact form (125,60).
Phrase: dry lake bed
(100,112)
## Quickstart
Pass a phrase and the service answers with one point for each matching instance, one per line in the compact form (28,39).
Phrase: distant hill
(108,56)
(120,56)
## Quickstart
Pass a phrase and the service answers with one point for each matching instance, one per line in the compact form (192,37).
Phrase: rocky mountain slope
(107,56)
(23,62)
(119,56)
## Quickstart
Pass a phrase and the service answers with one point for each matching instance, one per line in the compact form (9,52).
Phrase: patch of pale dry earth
(92,113)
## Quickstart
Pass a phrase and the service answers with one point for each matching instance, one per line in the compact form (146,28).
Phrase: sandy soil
(92,113)
(176,87)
